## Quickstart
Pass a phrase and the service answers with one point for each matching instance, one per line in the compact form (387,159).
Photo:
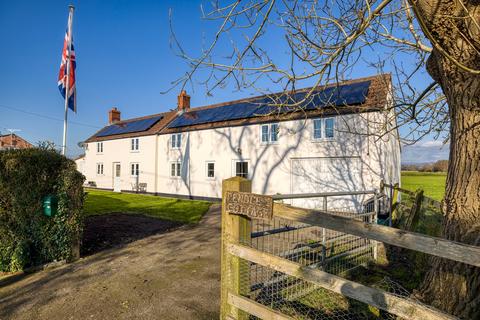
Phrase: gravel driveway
(175,275)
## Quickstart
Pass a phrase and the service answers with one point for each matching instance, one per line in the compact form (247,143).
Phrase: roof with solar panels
(136,127)
(353,96)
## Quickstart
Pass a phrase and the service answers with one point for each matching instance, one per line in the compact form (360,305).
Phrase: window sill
(269,143)
(134,151)
(322,140)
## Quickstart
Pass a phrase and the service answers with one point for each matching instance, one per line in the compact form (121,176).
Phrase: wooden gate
(288,280)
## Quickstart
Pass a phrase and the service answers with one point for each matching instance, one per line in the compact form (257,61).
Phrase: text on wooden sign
(249,204)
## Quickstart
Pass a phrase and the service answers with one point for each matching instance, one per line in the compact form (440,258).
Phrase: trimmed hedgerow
(27,237)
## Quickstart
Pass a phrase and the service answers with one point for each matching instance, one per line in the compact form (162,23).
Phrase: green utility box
(50,205)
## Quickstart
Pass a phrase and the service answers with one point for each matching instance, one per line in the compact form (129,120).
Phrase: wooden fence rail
(410,240)
(402,307)
(236,257)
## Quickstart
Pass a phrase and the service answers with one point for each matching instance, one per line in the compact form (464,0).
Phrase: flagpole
(69,44)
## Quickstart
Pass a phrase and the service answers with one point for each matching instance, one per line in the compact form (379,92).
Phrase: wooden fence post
(394,206)
(412,218)
(235,229)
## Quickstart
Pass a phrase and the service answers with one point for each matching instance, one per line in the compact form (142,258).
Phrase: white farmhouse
(341,138)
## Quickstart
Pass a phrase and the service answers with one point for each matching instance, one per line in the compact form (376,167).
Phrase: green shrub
(27,237)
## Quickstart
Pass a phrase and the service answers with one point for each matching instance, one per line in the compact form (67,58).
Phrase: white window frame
(269,133)
(100,169)
(134,144)
(99,147)
(323,129)
(135,168)
(214,170)
(234,167)
(176,141)
(177,171)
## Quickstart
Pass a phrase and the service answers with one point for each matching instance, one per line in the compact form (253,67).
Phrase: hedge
(27,236)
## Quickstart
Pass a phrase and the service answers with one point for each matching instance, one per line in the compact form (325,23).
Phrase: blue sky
(124,59)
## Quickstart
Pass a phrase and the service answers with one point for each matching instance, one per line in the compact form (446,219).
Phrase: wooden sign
(249,204)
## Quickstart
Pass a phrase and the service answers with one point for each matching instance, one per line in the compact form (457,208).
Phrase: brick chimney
(183,101)
(113,115)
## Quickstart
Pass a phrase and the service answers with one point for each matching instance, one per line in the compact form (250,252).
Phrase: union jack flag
(68,64)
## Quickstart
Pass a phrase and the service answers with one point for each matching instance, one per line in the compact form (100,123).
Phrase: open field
(433,183)
(99,202)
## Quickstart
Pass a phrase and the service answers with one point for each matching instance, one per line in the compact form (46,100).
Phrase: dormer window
(176,141)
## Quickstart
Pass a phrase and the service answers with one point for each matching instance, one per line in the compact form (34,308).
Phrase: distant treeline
(439,166)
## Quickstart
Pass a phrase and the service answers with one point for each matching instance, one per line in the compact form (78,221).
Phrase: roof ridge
(137,118)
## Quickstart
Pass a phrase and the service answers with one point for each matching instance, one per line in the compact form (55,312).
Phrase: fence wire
(306,301)
(313,247)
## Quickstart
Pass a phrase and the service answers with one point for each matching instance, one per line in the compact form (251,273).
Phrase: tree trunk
(450,286)
(455,287)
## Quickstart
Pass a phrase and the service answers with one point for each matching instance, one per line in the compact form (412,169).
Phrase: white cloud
(432,143)
(425,151)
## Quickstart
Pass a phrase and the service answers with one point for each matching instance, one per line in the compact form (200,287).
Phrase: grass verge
(99,202)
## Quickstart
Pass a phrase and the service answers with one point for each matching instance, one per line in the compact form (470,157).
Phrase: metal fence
(314,247)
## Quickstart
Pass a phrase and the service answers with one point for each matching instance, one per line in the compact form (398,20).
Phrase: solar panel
(349,94)
(128,127)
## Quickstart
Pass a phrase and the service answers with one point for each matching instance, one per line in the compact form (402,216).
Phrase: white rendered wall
(270,165)
(119,150)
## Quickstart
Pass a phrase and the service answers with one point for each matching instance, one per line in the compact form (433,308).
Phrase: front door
(116,177)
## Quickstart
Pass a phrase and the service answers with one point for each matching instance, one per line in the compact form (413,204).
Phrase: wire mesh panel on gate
(313,247)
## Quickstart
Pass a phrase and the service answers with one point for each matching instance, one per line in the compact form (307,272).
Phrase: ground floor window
(99,168)
(241,169)
(210,169)
(175,169)
(135,169)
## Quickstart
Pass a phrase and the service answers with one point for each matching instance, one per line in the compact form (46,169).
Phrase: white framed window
(99,147)
(329,128)
(269,133)
(99,168)
(241,169)
(134,169)
(210,169)
(175,169)
(317,129)
(176,141)
(134,144)
(323,129)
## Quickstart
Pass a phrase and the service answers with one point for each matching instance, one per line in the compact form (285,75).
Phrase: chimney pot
(183,101)
(113,115)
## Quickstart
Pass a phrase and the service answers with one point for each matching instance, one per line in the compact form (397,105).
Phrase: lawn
(99,202)
(433,183)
